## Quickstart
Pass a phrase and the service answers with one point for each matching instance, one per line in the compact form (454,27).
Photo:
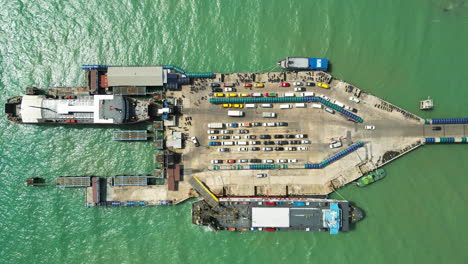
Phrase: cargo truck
(235,113)
(269,114)
(215,125)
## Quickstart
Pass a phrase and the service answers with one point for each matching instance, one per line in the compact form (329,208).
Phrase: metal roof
(270,217)
(135,76)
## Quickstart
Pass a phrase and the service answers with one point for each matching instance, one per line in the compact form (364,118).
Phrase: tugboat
(371,178)
(302,64)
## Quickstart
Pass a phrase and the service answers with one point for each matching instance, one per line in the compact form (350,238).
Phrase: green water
(402,51)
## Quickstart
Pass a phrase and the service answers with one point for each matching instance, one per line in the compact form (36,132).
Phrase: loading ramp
(209,197)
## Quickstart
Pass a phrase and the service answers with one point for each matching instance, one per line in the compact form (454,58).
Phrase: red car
(231,161)
(247,85)
(285,84)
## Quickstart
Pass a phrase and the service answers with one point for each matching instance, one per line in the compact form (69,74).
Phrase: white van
(256,94)
(250,105)
(241,143)
(318,106)
(285,106)
(266,105)
(289,95)
(331,111)
(227,143)
(339,104)
(300,105)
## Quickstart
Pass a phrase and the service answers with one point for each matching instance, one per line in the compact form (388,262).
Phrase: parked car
(282,142)
(303,148)
(279,148)
(231,161)
(243,149)
(216,90)
(218,95)
(282,161)
(255,149)
(354,99)
(281,123)
(255,160)
(238,106)
(215,85)
(255,142)
(243,161)
(247,85)
(299,89)
(212,137)
(335,144)
(292,160)
(284,84)
(301,136)
(213,131)
(243,131)
(323,85)
(370,127)
(305,141)
(265,136)
(436,128)
(225,137)
(268,161)
(310,84)
(229,89)
(298,83)
(236,137)
(291,148)
(278,136)
(259,85)
(267,149)
(226,131)
(268,142)
(223,149)
(216,161)
(295,142)
(256,124)
(271,94)
(232,125)
(261,175)
(290,136)
(195,141)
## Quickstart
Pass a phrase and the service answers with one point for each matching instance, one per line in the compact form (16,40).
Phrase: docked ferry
(301,64)
(76,109)
(277,214)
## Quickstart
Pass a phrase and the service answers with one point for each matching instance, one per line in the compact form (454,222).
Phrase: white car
(195,141)
(236,137)
(335,144)
(349,108)
(299,89)
(290,148)
(216,161)
(261,175)
(213,131)
(226,132)
(300,136)
(369,127)
(212,137)
(305,141)
(267,149)
(292,160)
(325,97)
(282,161)
(298,83)
(242,149)
(253,142)
(354,99)
(268,161)
(229,89)
(303,148)
(243,161)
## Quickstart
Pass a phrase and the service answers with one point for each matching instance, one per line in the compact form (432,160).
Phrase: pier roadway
(397,132)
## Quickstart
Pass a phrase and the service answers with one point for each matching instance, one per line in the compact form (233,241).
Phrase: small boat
(371,178)
(302,63)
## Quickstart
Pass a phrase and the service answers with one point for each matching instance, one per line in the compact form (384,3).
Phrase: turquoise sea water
(402,51)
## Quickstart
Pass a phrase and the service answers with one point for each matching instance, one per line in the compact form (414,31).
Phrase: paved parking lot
(395,130)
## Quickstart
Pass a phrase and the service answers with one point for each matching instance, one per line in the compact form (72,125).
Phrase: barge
(277,214)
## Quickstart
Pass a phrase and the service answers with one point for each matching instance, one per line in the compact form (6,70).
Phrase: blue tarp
(317,63)
(332,218)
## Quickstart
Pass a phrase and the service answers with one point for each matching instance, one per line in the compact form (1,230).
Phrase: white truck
(235,113)
(269,114)
(215,125)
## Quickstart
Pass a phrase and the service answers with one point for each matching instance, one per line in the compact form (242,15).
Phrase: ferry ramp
(209,197)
